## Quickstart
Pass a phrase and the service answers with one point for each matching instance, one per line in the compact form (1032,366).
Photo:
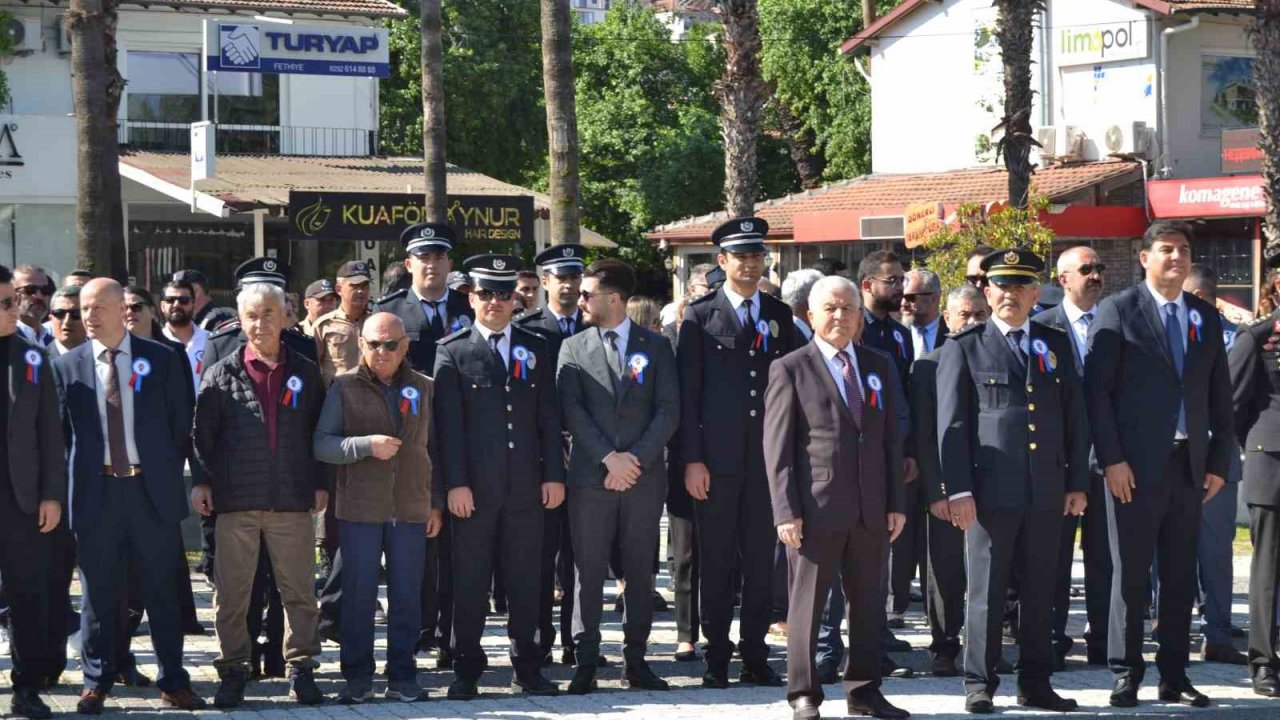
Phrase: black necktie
(494,339)
(566,326)
(1015,336)
(750,321)
(437,319)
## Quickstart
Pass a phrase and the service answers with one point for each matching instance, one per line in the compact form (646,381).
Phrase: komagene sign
(297,49)
(1238,196)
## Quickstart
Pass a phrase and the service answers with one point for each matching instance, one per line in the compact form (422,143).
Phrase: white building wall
(1196,153)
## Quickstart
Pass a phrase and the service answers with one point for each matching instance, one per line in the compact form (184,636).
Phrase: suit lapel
(1154,322)
(728,322)
(597,363)
(997,346)
(496,370)
(819,365)
(18,372)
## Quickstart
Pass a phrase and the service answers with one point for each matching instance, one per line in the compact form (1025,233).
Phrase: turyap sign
(481,219)
(296,49)
(1101,42)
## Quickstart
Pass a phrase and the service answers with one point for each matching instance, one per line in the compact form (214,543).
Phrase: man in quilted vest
(376,427)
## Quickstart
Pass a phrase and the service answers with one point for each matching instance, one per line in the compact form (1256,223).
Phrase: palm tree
(1015,31)
(562,119)
(1266,70)
(433,121)
(96,87)
(742,94)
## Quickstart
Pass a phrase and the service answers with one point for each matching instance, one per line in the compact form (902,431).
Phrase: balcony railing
(258,139)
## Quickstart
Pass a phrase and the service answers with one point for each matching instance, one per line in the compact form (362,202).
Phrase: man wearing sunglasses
(502,456)
(176,303)
(32,291)
(68,328)
(558,320)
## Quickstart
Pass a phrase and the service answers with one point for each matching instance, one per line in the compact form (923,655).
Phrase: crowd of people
(817,447)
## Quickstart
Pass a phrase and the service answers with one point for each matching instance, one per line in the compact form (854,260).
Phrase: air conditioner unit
(883,227)
(1133,140)
(1047,136)
(1073,143)
(62,36)
(25,34)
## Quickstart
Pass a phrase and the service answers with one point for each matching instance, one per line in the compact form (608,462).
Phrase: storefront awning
(1216,197)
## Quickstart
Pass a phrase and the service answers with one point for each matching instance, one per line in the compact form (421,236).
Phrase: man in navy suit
(126,412)
(1159,396)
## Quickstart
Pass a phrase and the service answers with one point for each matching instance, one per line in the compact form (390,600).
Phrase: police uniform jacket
(405,305)
(544,323)
(724,369)
(1254,362)
(1015,436)
(500,434)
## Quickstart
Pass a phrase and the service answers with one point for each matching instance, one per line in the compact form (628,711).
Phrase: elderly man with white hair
(255,417)
(834,461)
(795,293)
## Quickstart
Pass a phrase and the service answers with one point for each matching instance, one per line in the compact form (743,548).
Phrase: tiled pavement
(923,695)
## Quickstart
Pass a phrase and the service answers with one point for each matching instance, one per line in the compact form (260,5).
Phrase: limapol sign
(1100,43)
(497,219)
(297,49)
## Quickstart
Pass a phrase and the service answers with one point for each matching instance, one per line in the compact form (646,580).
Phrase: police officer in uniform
(562,268)
(727,341)
(498,416)
(430,310)
(1014,449)
(338,333)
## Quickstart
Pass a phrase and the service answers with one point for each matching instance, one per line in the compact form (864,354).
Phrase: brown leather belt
(134,471)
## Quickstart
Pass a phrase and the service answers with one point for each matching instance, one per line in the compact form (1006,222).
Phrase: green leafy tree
(1009,227)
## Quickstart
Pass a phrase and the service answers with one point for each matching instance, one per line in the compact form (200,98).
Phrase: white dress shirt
(624,333)
(195,351)
(805,331)
(737,300)
(504,345)
(924,338)
(577,322)
(42,338)
(124,370)
(1077,326)
(836,368)
(1181,303)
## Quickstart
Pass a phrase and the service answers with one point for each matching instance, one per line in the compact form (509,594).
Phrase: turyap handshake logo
(240,46)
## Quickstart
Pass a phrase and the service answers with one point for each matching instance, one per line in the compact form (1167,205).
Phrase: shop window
(164,87)
(1227,247)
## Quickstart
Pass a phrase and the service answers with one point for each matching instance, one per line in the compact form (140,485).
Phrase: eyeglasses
(388,345)
(178,299)
(30,290)
(489,295)
(137,307)
(914,297)
(1091,268)
(975,280)
(63,313)
(891,280)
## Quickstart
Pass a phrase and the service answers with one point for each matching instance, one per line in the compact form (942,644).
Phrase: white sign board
(37,158)
(348,50)
(203,159)
(1091,32)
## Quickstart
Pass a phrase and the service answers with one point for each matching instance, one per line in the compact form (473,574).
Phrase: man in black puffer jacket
(255,415)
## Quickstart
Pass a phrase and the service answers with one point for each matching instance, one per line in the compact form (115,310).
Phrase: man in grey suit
(621,401)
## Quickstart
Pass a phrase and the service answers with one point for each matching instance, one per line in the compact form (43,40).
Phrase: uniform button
(1031,407)
(719,347)
(753,413)
(510,426)
(753,393)
(508,388)
(753,373)
(474,387)
(1033,446)
(752,353)
(511,445)
(1259,447)
(508,408)
(1028,388)
(1031,427)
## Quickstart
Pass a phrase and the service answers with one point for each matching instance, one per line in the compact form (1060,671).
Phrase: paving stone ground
(923,695)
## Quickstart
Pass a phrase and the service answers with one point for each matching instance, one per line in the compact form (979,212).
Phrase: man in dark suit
(728,339)
(498,419)
(621,402)
(834,462)
(1254,361)
(944,600)
(558,320)
(1160,405)
(33,488)
(126,406)
(1080,275)
(1014,449)
(430,311)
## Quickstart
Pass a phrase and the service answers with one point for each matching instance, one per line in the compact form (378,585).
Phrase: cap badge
(567,252)
(1011,257)
(746,226)
(499,264)
(427,232)
(269,265)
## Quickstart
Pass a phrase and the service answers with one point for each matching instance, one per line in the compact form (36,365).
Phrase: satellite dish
(1114,139)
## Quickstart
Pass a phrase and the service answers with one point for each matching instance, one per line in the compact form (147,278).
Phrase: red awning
(1234,196)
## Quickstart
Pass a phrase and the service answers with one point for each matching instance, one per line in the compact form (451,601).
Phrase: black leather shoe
(230,693)
(444,659)
(895,621)
(1097,655)
(583,682)
(1124,694)
(868,701)
(1265,682)
(568,657)
(979,702)
(716,679)
(1046,699)
(1183,694)
(659,603)
(891,669)
(1225,654)
(943,666)
(805,708)
(760,675)
(463,689)
(640,677)
(27,704)
(827,674)
(302,685)
(533,683)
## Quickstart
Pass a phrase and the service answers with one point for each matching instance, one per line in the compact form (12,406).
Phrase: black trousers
(557,567)
(857,554)
(517,532)
(999,544)
(25,563)
(437,589)
(1264,524)
(1162,519)
(907,554)
(944,603)
(682,548)
(736,519)
(1095,543)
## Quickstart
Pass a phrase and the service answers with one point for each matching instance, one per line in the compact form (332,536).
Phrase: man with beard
(1080,274)
(31,283)
(560,319)
(68,329)
(205,313)
(338,333)
(176,303)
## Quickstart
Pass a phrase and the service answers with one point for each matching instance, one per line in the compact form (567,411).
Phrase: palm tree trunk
(96,87)
(742,94)
(433,120)
(1015,31)
(562,119)
(802,144)
(1266,70)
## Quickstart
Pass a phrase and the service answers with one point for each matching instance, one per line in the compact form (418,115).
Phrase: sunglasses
(488,295)
(32,290)
(388,345)
(64,313)
(588,295)
(137,307)
(1091,268)
(178,299)
(975,280)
